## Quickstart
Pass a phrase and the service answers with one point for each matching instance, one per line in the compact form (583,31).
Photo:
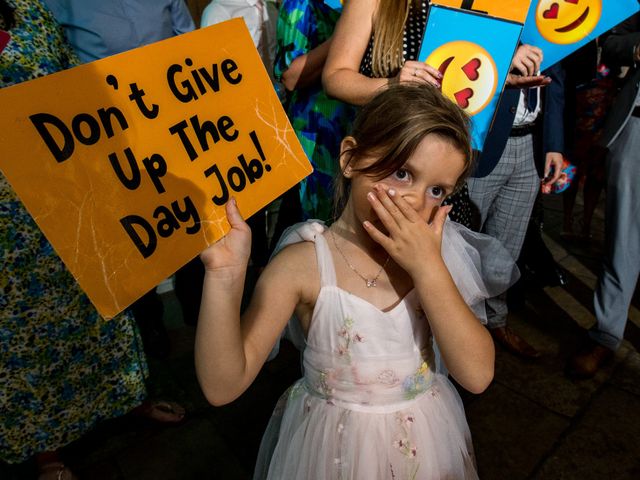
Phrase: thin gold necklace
(371,282)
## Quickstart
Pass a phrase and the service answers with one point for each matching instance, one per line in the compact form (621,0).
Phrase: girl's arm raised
(465,344)
(229,352)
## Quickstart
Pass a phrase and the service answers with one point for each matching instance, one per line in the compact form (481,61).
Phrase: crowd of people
(395,256)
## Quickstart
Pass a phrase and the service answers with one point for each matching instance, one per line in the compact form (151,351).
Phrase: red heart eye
(552,12)
(575,2)
(470,69)
(462,97)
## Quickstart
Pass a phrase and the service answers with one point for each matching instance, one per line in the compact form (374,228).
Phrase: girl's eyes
(436,192)
(401,174)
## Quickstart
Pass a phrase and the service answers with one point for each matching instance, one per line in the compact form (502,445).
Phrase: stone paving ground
(531,423)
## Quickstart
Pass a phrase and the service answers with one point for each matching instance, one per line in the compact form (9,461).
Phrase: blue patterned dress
(62,367)
(320,122)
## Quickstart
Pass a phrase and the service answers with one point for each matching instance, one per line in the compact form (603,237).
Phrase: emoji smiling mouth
(443,67)
(575,24)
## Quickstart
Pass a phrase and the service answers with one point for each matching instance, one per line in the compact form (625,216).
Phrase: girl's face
(424,181)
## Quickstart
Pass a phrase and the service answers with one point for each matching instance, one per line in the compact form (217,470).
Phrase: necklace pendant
(371,283)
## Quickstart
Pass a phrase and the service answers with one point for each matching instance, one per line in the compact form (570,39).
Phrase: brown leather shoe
(513,343)
(586,363)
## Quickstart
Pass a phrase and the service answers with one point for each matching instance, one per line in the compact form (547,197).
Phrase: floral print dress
(62,367)
(370,404)
(320,122)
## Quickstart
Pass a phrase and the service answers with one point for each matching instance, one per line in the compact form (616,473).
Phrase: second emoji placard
(473,53)
(561,27)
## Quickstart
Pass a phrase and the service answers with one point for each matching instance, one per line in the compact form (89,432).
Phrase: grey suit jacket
(618,51)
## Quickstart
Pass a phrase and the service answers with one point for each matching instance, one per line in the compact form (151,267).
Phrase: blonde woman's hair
(388,33)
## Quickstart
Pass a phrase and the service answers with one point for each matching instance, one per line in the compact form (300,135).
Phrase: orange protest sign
(126,163)
(515,10)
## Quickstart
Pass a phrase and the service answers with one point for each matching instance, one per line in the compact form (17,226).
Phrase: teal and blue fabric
(320,122)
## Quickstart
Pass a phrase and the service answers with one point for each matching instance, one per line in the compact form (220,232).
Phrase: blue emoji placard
(473,52)
(559,27)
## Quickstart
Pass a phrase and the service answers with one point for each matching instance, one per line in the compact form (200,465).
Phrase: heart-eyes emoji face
(469,74)
(567,21)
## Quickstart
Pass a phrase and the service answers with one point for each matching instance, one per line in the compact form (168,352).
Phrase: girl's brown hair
(392,125)
(388,32)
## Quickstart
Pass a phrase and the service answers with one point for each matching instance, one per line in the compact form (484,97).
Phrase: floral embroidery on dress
(339,462)
(403,442)
(296,389)
(281,404)
(388,377)
(347,338)
(405,447)
(417,383)
(435,391)
(322,386)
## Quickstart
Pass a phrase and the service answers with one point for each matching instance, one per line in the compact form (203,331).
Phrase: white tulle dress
(371,404)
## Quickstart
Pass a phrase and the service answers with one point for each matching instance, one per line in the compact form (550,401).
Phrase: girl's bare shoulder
(303,275)
(297,263)
(299,256)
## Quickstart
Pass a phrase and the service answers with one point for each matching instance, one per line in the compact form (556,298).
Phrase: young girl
(370,293)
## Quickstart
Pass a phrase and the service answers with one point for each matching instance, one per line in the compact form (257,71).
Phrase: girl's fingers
(385,209)
(382,191)
(376,235)
(440,217)
(407,210)
(233,213)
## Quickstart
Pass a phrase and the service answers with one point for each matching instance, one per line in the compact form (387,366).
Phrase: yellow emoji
(567,21)
(469,74)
